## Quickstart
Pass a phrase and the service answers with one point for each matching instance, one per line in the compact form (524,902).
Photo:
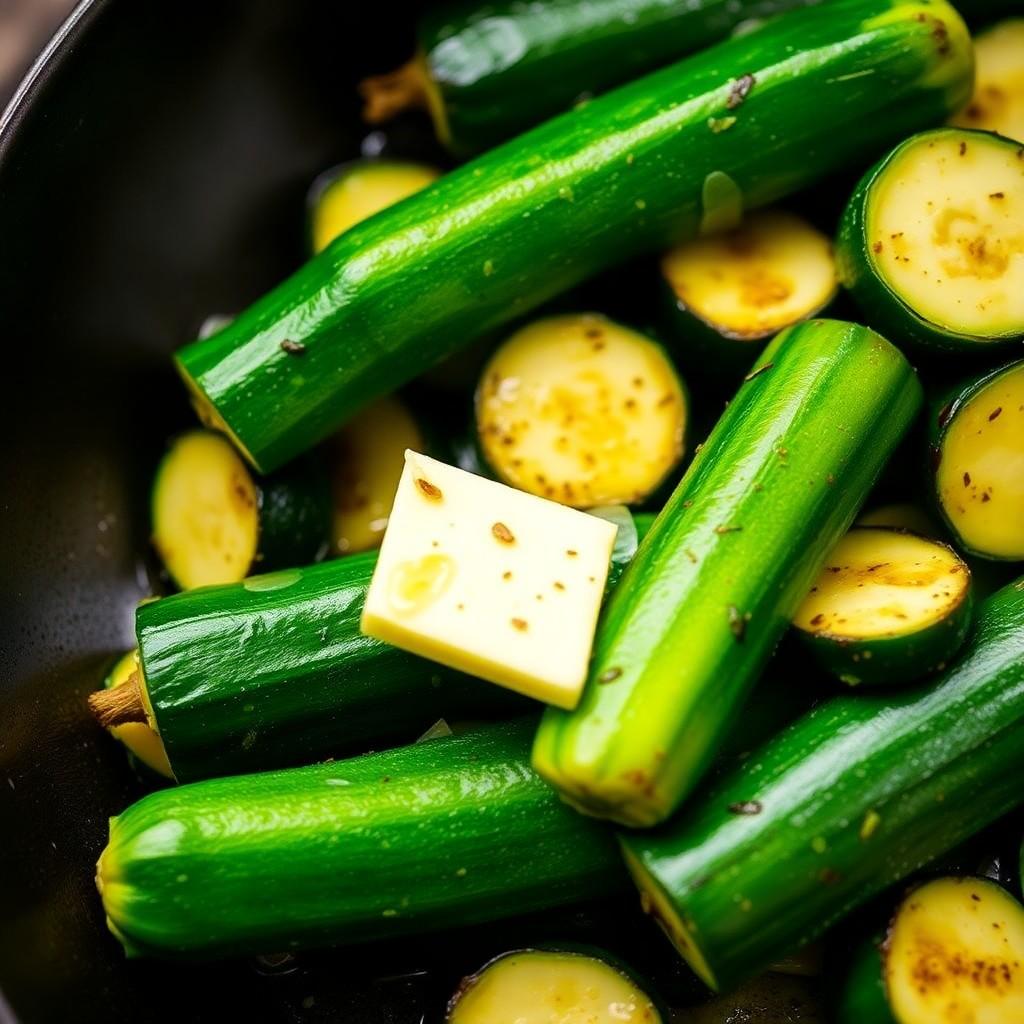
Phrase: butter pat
(489,580)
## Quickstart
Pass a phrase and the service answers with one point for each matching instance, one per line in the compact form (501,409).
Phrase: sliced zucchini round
(534,986)
(888,607)
(346,195)
(955,953)
(367,457)
(998,101)
(728,291)
(978,452)
(141,739)
(581,410)
(931,243)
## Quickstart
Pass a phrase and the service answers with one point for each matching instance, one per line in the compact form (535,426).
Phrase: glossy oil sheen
(725,566)
(594,187)
(454,830)
(934,765)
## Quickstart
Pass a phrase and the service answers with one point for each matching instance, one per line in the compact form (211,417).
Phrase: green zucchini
(636,170)
(977,443)
(342,197)
(581,410)
(727,294)
(214,522)
(998,101)
(538,986)
(930,242)
(486,72)
(857,794)
(724,568)
(452,831)
(141,741)
(888,608)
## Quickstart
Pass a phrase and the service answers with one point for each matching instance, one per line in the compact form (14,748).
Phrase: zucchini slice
(888,607)
(978,453)
(142,741)
(954,953)
(536,986)
(931,243)
(346,195)
(366,458)
(213,521)
(727,292)
(901,516)
(998,101)
(581,410)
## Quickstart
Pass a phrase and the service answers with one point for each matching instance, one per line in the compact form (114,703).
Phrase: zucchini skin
(295,514)
(854,796)
(187,870)
(635,170)
(862,999)
(500,68)
(725,566)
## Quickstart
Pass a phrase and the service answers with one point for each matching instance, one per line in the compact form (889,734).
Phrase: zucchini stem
(120,704)
(385,96)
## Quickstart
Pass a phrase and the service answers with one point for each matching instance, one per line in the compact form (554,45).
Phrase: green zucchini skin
(503,67)
(882,305)
(188,870)
(725,566)
(862,998)
(295,514)
(635,170)
(852,797)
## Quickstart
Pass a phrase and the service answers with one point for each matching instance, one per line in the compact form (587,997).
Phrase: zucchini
(977,443)
(452,831)
(902,516)
(142,743)
(540,986)
(888,607)
(855,795)
(636,170)
(486,72)
(727,293)
(213,521)
(998,101)
(343,196)
(581,410)
(365,460)
(727,563)
(930,242)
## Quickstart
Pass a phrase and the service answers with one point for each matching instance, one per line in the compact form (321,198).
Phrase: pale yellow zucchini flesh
(998,101)
(581,410)
(955,954)
(774,270)
(946,232)
(140,738)
(981,473)
(541,987)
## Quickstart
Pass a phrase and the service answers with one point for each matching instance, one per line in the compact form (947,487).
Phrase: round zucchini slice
(955,953)
(978,453)
(367,457)
(931,243)
(998,101)
(214,522)
(729,291)
(142,740)
(888,608)
(581,410)
(346,195)
(534,986)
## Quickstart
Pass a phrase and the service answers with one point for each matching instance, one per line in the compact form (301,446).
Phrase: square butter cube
(490,580)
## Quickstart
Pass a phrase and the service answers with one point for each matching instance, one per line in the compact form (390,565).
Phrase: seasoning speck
(503,533)
(720,124)
(994,413)
(293,348)
(609,675)
(740,90)
(757,373)
(520,624)
(428,490)
(737,622)
(746,807)
(967,479)
(572,553)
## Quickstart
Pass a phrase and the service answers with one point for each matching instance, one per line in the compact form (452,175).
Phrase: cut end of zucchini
(139,737)
(352,193)
(205,512)
(772,271)
(535,986)
(955,953)
(367,457)
(581,410)
(998,101)
(943,232)
(980,478)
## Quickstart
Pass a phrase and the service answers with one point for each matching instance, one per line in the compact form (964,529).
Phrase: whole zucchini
(643,167)
(852,797)
(451,831)
(728,561)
